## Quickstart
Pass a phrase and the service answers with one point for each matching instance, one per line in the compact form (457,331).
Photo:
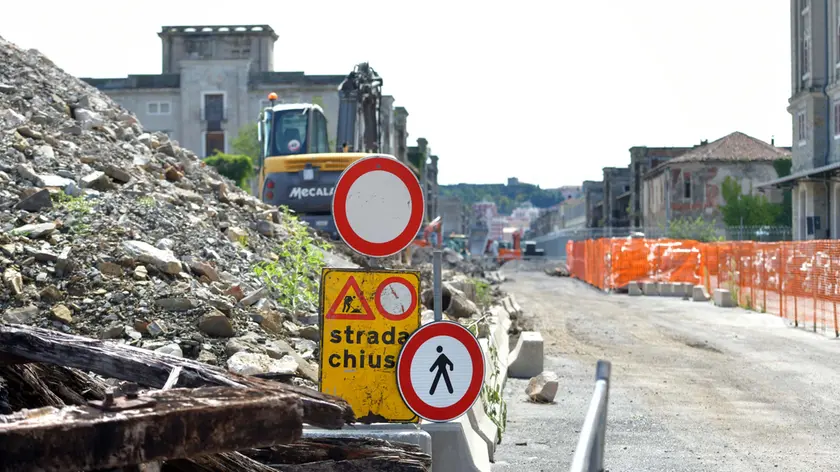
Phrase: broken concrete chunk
(35,230)
(162,259)
(36,201)
(216,324)
(109,268)
(22,315)
(13,281)
(175,303)
(172,349)
(543,387)
(96,180)
(62,313)
(247,363)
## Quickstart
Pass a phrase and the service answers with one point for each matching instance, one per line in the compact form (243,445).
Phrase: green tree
(247,142)
(236,167)
(746,209)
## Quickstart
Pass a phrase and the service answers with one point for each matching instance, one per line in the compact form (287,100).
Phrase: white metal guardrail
(589,454)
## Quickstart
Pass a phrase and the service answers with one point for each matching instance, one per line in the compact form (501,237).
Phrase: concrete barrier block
(678,289)
(723,298)
(404,433)
(515,305)
(457,447)
(484,427)
(699,293)
(688,289)
(634,289)
(526,359)
(650,288)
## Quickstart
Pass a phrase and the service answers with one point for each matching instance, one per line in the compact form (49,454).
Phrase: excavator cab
(296,167)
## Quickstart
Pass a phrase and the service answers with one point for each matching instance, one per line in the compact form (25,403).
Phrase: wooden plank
(170,424)
(152,369)
(345,454)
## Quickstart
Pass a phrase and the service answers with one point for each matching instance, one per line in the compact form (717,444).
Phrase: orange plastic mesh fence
(796,280)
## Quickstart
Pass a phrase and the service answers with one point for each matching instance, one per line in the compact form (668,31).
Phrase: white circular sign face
(441,371)
(294,145)
(378,206)
(396,298)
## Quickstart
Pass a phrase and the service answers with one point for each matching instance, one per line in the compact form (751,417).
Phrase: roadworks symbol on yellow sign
(366,317)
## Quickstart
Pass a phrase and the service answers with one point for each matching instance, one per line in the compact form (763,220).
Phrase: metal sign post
(437,262)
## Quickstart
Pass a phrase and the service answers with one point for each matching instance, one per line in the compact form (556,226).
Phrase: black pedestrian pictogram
(440,364)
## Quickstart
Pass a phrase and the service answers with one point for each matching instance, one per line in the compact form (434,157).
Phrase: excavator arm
(359,122)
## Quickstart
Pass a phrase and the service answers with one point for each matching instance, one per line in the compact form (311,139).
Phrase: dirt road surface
(694,387)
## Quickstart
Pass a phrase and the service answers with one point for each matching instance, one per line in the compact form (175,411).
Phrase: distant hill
(506,197)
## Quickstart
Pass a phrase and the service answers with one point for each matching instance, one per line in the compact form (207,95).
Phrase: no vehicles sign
(366,318)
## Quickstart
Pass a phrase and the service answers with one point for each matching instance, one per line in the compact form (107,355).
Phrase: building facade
(216,80)
(689,186)
(455,215)
(642,160)
(814,106)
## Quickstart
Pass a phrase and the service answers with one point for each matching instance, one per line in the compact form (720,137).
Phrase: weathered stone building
(616,197)
(425,166)
(642,160)
(455,215)
(216,79)
(688,186)
(593,197)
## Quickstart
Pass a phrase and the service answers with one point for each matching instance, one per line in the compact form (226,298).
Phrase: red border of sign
(377,298)
(351,283)
(409,395)
(339,204)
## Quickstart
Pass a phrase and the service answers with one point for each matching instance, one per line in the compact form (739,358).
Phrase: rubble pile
(559,271)
(110,231)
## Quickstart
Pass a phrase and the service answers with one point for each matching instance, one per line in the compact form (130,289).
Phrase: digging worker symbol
(440,364)
(348,301)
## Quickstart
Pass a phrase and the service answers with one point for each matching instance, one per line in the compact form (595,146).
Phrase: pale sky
(547,91)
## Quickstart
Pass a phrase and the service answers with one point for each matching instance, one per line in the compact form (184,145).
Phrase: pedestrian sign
(366,318)
(440,371)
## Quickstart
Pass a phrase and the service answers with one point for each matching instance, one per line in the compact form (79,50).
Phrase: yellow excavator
(296,167)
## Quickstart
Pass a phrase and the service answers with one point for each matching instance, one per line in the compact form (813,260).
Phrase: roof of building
(735,147)
(201,30)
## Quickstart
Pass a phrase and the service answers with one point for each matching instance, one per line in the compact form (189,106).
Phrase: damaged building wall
(593,196)
(642,160)
(616,188)
(693,189)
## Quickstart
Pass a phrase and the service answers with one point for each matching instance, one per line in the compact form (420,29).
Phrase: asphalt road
(694,387)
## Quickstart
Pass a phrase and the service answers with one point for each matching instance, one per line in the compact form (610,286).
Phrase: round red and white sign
(440,371)
(378,206)
(294,145)
(395,298)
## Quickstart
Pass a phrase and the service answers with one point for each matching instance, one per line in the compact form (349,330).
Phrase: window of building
(213,141)
(800,128)
(837,120)
(158,108)
(805,39)
(687,185)
(837,34)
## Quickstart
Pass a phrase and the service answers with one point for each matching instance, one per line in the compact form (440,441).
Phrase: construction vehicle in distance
(433,228)
(296,167)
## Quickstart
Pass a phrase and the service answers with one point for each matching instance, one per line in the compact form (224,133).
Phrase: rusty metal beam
(171,424)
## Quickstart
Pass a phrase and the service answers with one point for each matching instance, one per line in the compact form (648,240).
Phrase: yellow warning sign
(366,317)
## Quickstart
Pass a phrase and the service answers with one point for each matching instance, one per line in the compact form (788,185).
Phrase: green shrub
(236,167)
